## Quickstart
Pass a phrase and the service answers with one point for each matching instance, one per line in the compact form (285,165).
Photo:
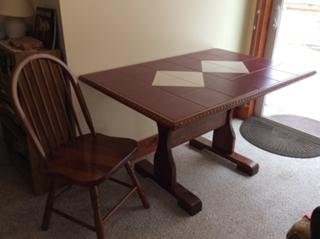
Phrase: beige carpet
(234,206)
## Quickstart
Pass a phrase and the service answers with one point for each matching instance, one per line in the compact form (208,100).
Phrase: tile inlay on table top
(195,78)
(178,79)
(224,67)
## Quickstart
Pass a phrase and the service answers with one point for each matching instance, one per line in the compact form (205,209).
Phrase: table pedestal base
(243,164)
(185,199)
(163,170)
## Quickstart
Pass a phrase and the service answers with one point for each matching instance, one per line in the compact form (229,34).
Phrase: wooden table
(188,96)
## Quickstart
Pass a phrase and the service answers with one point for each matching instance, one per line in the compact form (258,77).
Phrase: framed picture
(45,27)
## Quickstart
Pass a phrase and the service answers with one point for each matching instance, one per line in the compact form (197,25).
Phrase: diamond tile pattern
(195,79)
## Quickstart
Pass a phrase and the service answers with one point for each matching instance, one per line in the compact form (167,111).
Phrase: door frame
(257,48)
(263,37)
(260,27)
(266,23)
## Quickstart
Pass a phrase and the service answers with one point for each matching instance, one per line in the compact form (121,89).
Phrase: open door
(293,29)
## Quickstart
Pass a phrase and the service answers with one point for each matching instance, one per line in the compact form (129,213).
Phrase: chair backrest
(41,93)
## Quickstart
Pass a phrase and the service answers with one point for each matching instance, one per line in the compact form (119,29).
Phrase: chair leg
(136,182)
(49,205)
(95,200)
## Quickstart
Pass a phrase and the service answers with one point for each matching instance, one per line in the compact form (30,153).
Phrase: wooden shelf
(13,134)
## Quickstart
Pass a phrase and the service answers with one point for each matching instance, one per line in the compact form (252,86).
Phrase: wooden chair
(42,90)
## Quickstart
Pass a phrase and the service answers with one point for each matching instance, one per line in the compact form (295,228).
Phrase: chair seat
(90,159)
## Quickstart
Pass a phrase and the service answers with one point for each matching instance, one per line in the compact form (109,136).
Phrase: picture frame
(45,27)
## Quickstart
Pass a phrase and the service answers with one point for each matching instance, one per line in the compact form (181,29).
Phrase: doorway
(294,34)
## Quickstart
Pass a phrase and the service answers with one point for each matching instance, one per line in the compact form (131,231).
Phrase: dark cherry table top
(223,88)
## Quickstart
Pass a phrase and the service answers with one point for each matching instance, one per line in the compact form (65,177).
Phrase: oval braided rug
(279,139)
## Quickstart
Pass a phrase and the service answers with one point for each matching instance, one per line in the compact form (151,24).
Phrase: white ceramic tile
(179,79)
(224,66)
(209,67)
(193,77)
(162,79)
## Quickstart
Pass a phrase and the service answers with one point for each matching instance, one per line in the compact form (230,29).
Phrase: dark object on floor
(43,102)
(279,139)
(306,229)
(315,224)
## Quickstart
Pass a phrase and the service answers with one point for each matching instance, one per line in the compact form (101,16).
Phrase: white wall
(103,34)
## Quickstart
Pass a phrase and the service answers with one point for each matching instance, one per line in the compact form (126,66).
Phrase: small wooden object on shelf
(26,43)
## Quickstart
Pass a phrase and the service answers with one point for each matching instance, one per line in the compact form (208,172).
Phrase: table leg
(223,145)
(163,171)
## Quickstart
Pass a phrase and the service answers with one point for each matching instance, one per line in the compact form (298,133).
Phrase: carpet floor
(235,206)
